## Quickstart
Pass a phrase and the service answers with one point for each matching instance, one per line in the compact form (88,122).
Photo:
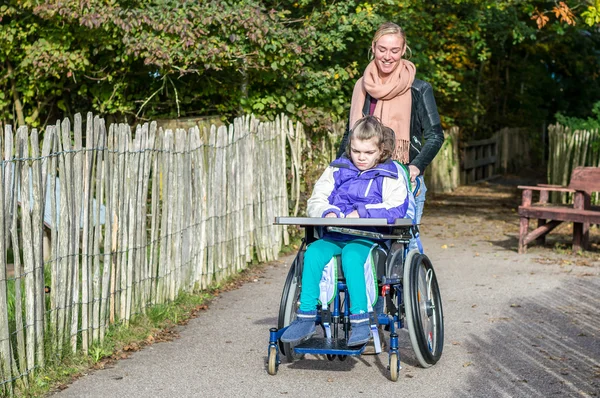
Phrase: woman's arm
(432,129)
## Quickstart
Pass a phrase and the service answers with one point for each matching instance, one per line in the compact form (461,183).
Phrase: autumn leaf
(540,19)
(563,13)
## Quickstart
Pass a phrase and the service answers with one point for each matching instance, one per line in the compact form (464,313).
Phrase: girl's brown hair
(370,127)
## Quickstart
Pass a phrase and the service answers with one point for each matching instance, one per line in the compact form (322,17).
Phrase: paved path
(515,326)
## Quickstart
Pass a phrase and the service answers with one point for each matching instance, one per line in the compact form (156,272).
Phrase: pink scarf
(394,102)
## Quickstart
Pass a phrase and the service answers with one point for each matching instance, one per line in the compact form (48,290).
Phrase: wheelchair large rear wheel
(288,307)
(423,309)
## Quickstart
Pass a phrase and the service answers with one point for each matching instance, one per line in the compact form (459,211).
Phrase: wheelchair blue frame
(425,317)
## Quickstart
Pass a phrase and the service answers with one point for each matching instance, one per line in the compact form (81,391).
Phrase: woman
(389,90)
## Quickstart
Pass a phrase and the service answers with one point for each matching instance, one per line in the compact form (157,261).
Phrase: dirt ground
(487,212)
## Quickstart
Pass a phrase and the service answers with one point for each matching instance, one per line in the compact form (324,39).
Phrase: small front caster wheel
(273,363)
(394,366)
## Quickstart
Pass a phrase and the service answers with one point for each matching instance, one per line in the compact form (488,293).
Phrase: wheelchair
(406,283)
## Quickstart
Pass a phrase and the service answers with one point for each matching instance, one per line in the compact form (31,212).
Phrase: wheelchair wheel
(423,309)
(272,366)
(288,306)
(394,366)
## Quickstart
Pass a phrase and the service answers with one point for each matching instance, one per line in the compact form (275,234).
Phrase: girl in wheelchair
(364,182)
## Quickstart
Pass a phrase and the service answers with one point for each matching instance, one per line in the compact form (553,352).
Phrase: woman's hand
(331,215)
(414,172)
(354,214)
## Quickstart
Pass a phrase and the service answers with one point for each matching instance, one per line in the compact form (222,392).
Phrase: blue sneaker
(361,330)
(302,328)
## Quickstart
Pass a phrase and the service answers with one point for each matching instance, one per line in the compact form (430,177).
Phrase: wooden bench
(584,181)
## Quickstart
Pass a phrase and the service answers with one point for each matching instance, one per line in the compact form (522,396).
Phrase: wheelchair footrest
(321,345)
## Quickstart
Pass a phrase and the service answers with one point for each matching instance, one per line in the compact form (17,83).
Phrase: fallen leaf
(467,364)
(492,320)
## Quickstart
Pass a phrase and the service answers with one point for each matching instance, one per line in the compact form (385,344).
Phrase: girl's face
(388,51)
(365,154)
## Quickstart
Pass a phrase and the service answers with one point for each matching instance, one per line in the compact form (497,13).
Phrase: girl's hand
(414,172)
(330,215)
(354,214)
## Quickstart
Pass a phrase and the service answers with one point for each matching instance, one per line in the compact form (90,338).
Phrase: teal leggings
(318,254)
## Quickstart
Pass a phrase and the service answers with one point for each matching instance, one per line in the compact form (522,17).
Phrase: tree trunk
(16,98)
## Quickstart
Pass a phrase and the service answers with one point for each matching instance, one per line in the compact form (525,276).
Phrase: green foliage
(591,16)
(575,123)
(488,62)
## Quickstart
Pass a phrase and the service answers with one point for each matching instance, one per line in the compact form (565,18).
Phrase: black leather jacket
(425,124)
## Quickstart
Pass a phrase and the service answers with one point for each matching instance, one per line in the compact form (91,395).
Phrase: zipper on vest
(368,187)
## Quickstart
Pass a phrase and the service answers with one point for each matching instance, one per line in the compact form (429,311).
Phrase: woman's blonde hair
(388,28)
(371,127)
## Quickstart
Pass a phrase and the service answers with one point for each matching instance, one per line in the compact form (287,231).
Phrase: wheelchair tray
(342,222)
(341,225)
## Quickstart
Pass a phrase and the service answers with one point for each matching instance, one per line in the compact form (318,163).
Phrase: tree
(489,63)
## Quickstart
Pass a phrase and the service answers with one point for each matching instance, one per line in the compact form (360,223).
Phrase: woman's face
(365,154)
(388,51)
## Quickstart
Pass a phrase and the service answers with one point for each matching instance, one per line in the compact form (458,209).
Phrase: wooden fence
(514,147)
(443,173)
(479,160)
(508,150)
(567,150)
(133,219)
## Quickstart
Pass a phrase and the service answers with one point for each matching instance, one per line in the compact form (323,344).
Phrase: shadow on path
(544,346)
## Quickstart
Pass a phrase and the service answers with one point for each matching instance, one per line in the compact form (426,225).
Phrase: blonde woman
(389,90)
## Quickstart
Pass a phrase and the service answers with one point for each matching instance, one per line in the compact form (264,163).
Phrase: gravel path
(515,326)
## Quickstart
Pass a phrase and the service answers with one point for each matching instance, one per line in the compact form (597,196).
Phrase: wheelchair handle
(417,186)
